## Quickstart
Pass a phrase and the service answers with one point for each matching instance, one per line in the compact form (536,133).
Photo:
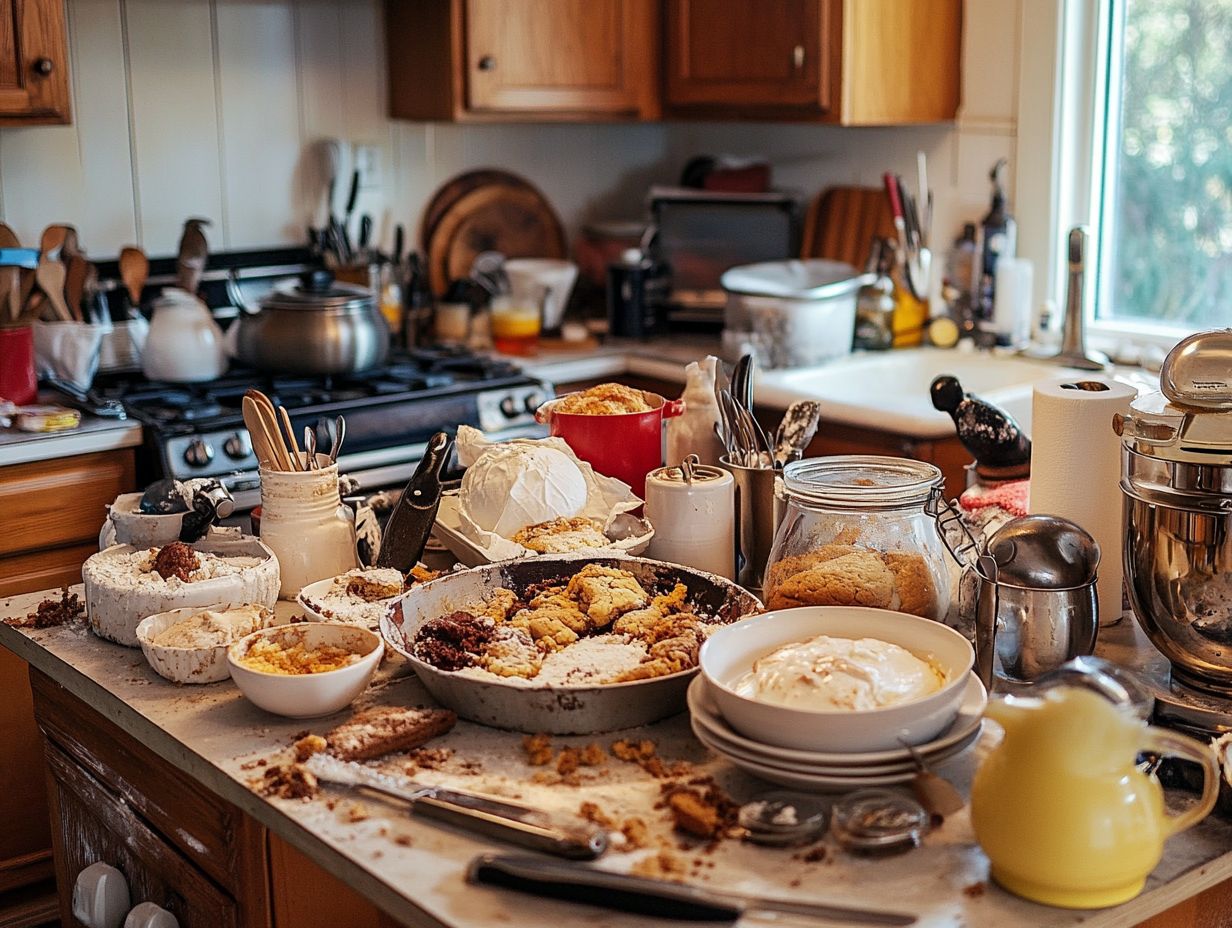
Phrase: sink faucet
(1073,351)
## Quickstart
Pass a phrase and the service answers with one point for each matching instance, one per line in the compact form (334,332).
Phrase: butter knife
(592,886)
(482,815)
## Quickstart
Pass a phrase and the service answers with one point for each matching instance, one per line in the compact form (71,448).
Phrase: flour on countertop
(135,569)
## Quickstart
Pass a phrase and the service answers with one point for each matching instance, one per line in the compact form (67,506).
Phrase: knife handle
(575,845)
(599,887)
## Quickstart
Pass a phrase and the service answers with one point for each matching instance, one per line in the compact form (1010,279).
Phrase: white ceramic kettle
(184,344)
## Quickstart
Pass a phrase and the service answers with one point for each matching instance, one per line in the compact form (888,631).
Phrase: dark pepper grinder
(1001,449)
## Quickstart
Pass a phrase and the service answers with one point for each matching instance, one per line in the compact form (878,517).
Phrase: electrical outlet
(367,160)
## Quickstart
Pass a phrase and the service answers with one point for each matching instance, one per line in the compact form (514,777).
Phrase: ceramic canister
(694,519)
(305,523)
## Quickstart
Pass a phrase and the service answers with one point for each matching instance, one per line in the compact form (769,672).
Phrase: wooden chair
(841,223)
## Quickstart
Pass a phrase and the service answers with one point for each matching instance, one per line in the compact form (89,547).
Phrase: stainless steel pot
(1176,479)
(316,326)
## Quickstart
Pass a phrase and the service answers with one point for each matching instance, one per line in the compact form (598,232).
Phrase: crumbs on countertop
(287,781)
(50,612)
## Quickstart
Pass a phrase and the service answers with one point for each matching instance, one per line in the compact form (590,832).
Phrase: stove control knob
(509,407)
(532,402)
(238,446)
(198,453)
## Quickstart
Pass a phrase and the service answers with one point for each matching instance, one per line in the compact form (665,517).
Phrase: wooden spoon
(292,443)
(52,240)
(273,432)
(10,291)
(8,238)
(75,270)
(262,445)
(192,256)
(51,276)
(134,271)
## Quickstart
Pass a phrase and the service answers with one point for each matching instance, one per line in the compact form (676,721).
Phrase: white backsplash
(210,108)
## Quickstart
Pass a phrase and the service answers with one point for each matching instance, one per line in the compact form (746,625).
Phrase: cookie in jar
(855,533)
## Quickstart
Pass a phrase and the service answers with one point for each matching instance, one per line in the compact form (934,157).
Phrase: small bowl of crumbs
(190,645)
(360,596)
(307,669)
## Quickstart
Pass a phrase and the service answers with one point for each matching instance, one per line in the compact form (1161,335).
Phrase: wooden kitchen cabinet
(477,60)
(33,62)
(853,62)
(53,511)
(177,844)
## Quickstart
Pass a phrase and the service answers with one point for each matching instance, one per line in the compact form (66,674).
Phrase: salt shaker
(306,525)
(692,508)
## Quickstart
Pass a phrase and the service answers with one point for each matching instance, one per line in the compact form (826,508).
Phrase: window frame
(1070,73)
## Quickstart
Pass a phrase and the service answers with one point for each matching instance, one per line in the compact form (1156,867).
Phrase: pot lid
(1190,419)
(317,290)
(861,481)
(812,279)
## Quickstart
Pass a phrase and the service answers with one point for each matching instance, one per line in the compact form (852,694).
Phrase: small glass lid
(861,481)
(874,821)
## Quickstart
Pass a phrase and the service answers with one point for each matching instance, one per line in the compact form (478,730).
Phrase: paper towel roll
(1076,468)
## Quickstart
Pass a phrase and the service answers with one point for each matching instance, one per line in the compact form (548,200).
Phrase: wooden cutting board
(842,222)
(516,220)
(455,189)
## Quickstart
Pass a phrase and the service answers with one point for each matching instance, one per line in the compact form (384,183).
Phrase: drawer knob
(100,896)
(487,63)
(44,66)
(149,915)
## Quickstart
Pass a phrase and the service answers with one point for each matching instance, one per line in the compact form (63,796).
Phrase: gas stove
(197,430)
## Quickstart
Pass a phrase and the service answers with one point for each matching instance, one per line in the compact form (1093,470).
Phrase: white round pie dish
(366,614)
(186,665)
(309,695)
(731,651)
(115,606)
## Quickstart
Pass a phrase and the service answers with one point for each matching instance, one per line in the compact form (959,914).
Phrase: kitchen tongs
(481,815)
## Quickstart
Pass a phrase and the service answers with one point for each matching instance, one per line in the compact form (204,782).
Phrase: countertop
(94,434)
(414,871)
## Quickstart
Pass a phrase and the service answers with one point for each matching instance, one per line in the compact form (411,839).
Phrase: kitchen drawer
(214,835)
(43,570)
(95,825)
(50,504)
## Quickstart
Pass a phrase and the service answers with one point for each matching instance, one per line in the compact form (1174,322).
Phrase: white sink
(889,391)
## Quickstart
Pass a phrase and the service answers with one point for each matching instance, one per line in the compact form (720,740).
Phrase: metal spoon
(310,445)
(339,438)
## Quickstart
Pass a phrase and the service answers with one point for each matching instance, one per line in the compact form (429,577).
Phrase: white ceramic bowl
(366,615)
(731,651)
(116,605)
(183,665)
(306,696)
(130,526)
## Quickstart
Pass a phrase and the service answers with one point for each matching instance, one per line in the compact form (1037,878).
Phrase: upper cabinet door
(561,56)
(757,53)
(33,62)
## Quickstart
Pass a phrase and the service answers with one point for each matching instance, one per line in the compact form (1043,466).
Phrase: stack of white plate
(821,772)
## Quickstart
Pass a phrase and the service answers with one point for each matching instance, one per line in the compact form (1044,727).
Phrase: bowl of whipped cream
(841,679)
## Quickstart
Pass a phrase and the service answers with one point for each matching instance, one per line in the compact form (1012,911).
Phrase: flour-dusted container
(122,588)
(693,510)
(304,522)
(793,313)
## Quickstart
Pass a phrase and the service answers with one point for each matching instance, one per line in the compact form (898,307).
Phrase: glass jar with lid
(855,533)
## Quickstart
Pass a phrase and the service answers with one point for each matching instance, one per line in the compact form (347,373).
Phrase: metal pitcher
(1037,606)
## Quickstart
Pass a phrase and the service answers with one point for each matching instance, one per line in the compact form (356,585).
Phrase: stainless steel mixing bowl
(1178,568)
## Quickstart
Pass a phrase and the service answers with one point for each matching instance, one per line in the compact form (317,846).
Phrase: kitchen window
(1161,183)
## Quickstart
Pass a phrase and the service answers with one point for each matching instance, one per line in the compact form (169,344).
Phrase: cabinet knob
(44,66)
(487,63)
(797,57)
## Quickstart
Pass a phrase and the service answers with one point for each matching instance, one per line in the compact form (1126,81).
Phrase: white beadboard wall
(212,108)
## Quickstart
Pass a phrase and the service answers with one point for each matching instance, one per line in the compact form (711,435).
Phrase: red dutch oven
(627,446)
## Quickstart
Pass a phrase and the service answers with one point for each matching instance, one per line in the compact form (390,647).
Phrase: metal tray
(560,710)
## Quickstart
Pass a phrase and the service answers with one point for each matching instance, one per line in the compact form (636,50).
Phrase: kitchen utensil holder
(756,520)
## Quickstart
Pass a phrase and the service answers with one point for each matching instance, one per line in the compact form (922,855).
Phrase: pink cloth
(1011,496)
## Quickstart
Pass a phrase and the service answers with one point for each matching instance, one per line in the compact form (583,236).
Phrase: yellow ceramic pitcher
(1061,810)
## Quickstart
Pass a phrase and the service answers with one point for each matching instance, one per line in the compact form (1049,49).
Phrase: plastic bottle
(693,431)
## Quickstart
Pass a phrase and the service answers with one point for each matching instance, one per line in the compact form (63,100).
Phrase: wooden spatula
(134,271)
(75,270)
(51,276)
(8,238)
